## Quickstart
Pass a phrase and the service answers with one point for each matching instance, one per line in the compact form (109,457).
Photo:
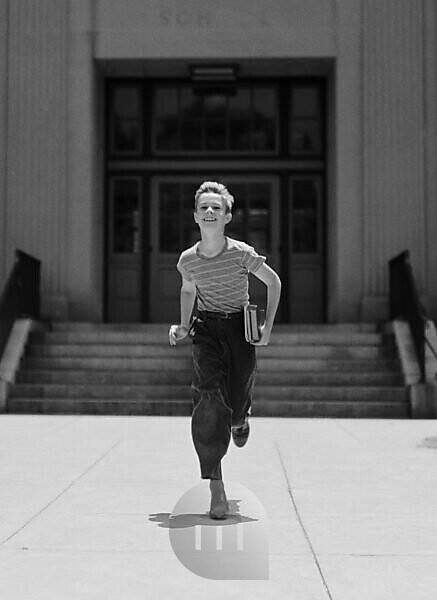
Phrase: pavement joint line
(70,485)
(299,518)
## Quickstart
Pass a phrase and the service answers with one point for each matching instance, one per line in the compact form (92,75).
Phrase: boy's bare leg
(219,502)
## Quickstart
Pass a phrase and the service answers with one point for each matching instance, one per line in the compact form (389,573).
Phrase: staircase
(306,371)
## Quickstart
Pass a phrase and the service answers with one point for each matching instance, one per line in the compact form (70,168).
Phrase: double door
(150,224)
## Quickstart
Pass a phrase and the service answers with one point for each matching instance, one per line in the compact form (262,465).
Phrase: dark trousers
(224,376)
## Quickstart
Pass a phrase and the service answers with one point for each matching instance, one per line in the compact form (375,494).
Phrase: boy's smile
(211,209)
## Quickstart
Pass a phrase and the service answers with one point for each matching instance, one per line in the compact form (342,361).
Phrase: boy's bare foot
(219,503)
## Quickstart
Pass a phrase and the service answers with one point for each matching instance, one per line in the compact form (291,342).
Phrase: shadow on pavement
(167,521)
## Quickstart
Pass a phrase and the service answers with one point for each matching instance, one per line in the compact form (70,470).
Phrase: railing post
(29,284)
(405,303)
(21,295)
(397,266)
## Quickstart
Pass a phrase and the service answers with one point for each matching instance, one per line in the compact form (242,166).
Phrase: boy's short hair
(216,188)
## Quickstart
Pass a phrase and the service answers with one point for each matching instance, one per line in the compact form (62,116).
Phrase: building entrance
(164,140)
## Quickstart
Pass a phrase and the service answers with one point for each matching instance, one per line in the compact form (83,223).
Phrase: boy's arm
(271,279)
(188,295)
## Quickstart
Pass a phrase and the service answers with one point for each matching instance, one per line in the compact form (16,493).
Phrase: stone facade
(379,58)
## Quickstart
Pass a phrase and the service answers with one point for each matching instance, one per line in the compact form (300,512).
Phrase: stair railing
(21,295)
(405,304)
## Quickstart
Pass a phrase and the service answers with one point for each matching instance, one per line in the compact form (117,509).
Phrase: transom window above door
(171,119)
(243,122)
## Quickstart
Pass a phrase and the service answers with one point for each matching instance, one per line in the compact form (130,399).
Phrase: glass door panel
(306,265)
(306,120)
(125,107)
(124,255)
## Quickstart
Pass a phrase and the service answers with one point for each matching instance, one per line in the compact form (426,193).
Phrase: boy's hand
(177,333)
(265,337)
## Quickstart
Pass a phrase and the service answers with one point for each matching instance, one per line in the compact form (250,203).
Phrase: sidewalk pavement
(85,505)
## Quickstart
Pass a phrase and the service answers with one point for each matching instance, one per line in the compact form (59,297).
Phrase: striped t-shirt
(221,281)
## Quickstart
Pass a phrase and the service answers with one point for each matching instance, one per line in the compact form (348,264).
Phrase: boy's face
(211,212)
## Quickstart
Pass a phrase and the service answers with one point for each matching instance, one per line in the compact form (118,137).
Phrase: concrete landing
(86,503)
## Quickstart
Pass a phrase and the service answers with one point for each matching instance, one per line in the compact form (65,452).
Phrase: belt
(212,314)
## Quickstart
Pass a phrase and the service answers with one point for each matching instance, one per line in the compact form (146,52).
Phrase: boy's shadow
(183,521)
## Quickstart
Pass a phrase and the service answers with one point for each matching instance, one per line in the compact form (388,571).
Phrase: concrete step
(95,376)
(156,327)
(160,377)
(180,362)
(346,370)
(335,410)
(100,406)
(114,327)
(139,392)
(160,351)
(160,337)
(170,392)
(182,407)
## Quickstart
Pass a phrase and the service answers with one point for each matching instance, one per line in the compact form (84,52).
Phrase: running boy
(215,271)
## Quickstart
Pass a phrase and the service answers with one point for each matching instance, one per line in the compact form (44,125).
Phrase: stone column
(430,33)
(4,266)
(85,212)
(344,172)
(36,132)
(394,212)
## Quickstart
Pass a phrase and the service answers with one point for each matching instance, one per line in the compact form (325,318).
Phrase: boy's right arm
(188,295)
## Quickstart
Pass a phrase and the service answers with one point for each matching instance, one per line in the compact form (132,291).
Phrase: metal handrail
(21,294)
(405,304)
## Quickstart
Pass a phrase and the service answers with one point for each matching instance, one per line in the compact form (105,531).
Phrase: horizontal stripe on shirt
(221,281)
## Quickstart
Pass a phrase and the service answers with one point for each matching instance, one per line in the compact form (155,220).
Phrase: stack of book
(252,323)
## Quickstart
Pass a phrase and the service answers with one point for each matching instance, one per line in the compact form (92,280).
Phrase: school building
(319,115)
